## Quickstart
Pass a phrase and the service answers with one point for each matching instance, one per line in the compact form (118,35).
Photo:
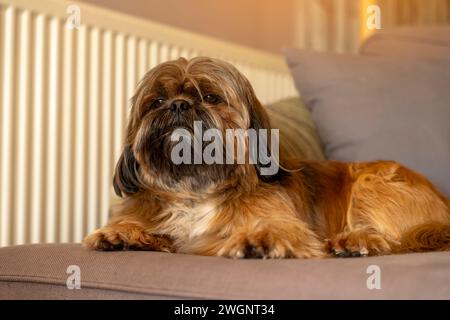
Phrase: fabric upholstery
(39,272)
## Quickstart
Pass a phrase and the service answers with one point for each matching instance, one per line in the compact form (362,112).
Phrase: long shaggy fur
(320,209)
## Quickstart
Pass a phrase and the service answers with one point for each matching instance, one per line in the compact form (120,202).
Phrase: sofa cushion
(39,272)
(379,108)
(430,43)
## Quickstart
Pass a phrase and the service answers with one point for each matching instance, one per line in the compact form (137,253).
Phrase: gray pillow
(379,108)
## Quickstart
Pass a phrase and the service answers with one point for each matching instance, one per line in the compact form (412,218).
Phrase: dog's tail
(433,236)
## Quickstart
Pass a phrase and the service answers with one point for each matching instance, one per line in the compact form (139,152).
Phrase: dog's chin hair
(158,169)
(153,148)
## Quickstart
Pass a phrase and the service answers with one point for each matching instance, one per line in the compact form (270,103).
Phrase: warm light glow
(364,31)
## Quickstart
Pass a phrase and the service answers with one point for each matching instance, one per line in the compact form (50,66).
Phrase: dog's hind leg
(392,209)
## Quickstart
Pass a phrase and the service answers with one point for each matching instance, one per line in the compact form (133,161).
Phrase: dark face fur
(174,95)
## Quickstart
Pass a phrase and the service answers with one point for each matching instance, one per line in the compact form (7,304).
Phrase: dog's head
(184,96)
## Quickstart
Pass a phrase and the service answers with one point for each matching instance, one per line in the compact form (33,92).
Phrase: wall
(330,25)
(262,24)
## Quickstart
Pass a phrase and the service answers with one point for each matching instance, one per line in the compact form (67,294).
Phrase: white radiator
(63,106)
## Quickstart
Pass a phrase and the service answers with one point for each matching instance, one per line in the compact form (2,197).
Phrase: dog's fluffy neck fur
(244,179)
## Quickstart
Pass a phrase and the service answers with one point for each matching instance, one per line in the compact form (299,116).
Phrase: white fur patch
(186,222)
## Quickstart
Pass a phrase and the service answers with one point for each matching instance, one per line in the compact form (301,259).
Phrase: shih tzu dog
(303,210)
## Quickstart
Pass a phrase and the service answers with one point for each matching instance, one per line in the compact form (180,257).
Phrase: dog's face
(173,96)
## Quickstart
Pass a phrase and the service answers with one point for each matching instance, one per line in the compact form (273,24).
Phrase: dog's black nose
(179,106)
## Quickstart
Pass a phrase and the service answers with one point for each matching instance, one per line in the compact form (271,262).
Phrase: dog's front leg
(127,233)
(273,239)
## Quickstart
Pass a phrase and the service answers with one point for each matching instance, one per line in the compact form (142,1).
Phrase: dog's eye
(212,99)
(157,102)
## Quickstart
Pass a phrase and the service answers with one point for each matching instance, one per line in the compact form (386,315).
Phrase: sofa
(309,130)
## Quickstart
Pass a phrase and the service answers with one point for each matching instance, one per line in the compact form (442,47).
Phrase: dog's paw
(357,244)
(127,237)
(262,245)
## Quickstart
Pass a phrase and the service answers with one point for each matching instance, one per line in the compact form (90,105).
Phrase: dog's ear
(126,179)
(259,119)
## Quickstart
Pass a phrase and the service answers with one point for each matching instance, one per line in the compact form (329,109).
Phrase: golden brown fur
(322,209)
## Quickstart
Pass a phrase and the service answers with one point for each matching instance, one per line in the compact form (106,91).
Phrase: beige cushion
(298,133)
(39,272)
